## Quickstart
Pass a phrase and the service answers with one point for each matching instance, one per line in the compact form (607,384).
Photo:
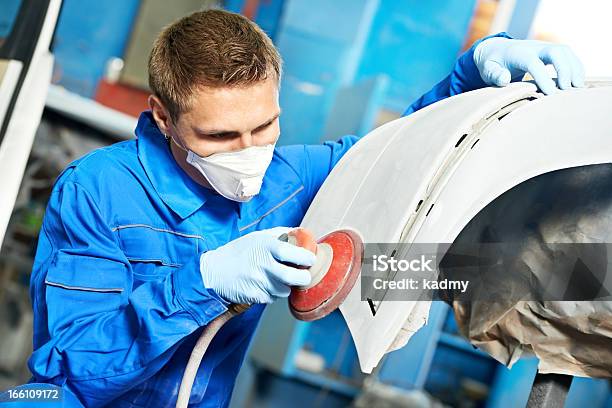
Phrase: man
(146,241)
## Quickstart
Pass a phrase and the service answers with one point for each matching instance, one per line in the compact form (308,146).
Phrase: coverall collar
(179,191)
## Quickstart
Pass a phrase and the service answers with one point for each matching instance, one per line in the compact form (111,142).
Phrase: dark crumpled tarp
(542,283)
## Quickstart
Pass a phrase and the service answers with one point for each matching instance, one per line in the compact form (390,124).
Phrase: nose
(246,140)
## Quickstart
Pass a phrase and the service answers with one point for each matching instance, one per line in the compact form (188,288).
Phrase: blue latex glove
(500,60)
(247,270)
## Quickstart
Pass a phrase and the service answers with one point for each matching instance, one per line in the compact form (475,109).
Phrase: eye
(264,126)
(220,136)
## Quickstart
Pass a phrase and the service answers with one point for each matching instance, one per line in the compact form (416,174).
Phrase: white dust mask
(235,175)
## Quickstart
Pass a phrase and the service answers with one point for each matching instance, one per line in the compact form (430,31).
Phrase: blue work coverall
(116,289)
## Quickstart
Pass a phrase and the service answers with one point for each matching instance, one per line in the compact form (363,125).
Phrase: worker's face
(221,120)
(225,119)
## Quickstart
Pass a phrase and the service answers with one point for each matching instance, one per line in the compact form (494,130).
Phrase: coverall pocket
(78,286)
(153,252)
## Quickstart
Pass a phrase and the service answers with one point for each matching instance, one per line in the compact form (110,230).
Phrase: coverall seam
(181,234)
(83,288)
(154,260)
(271,210)
(51,241)
(297,173)
(76,165)
(39,293)
(95,206)
(97,151)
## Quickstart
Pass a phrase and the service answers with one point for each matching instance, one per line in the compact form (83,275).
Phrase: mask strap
(177,144)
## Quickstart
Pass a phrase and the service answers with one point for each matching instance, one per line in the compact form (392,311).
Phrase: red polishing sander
(333,275)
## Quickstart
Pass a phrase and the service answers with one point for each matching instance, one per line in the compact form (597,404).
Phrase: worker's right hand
(249,270)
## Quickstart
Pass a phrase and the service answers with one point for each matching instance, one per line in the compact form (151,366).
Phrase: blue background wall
(415,43)
(344,59)
(89,33)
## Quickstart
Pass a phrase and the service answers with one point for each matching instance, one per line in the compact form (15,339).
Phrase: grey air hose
(199,350)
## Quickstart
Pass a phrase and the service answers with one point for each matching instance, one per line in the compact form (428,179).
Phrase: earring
(166,136)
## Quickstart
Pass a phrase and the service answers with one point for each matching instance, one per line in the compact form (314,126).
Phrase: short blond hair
(213,48)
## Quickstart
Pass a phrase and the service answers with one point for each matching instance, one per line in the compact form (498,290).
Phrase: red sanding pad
(325,297)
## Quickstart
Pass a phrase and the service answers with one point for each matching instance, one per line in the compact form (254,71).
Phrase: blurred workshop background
(350,65)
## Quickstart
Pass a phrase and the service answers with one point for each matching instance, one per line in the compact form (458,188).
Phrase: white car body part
(422,178)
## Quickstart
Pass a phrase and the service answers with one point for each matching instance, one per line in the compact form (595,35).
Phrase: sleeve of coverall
(463,78)
(105,337)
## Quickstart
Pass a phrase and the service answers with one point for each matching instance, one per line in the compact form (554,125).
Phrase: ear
(160,114)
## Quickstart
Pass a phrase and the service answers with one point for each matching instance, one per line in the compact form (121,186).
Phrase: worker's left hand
(500,60)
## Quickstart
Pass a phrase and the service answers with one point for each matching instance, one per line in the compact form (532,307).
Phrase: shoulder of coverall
(101,170)
(313,163)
